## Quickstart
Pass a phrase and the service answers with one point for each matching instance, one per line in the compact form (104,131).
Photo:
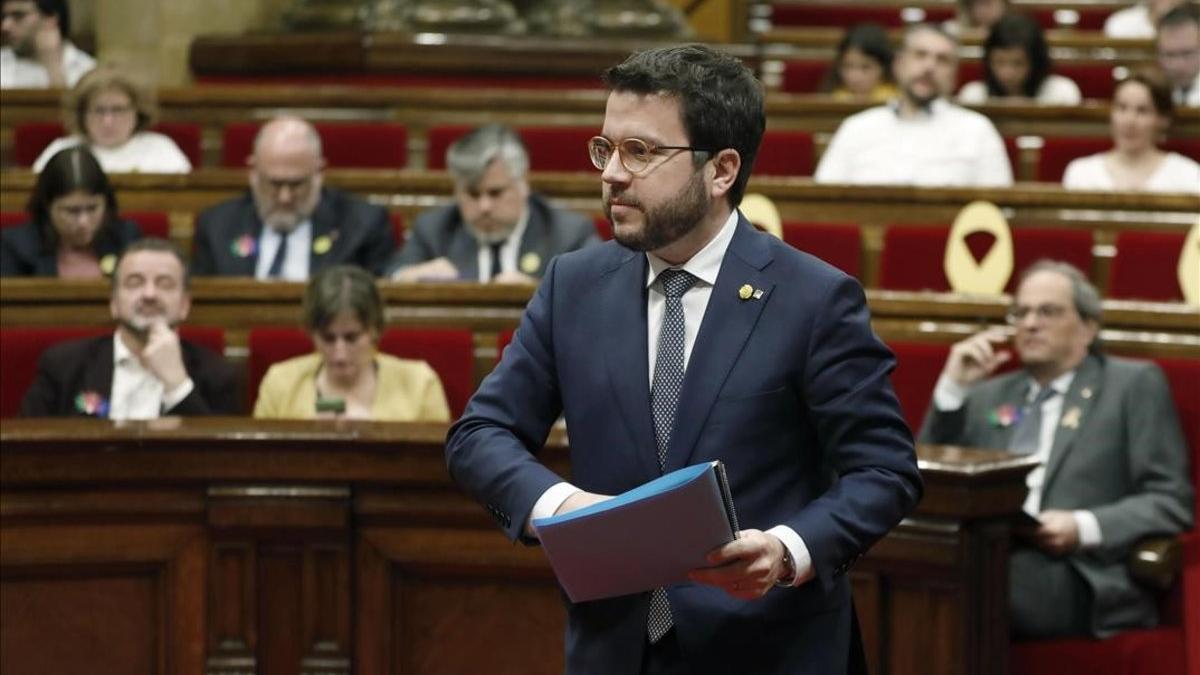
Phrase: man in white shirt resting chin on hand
(143,370)
(37,52)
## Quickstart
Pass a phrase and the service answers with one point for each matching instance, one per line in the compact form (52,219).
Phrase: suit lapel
(623,303)
(728,322)
(464,253)
(325,236)
(533,244)
(97,374)
(1084,390)
(250,229)
(1013,396)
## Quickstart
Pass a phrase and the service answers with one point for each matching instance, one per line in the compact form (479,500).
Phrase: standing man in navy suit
(694,337)
(289,225)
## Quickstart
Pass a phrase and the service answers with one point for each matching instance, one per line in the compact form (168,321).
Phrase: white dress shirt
(705,266)
(943,145)
(1189,97)
(1055,90)
(1131,22)
(21,73)
(948,396)
(136,393)
(1176,173)
(144,152)
(295,265)
(508,251)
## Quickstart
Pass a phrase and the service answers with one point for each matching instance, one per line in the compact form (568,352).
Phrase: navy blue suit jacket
(790,390)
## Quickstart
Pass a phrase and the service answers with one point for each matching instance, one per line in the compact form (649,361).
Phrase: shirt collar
(935,107)
(706,264)
(1061,385)
(121,353)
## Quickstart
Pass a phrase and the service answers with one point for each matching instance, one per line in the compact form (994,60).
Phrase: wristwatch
(789,577)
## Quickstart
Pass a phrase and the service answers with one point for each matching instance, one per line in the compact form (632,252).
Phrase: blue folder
(647,537)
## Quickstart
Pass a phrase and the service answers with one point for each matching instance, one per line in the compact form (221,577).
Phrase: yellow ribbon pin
(745,291)
(530,263)
(322,244)
(1070,418)
(107,264)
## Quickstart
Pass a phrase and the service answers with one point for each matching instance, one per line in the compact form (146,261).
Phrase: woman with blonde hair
(347,376)
(111,115)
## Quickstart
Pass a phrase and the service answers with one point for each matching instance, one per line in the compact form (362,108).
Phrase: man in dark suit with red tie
(694,337)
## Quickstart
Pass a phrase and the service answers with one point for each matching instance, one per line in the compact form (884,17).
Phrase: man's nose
(614,170)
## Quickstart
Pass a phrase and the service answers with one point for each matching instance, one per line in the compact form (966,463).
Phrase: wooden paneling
(304,547)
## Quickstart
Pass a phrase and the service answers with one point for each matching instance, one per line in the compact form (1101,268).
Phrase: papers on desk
(648,537)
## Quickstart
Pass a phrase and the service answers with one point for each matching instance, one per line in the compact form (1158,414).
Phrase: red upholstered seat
(152,223)
(399,232)
(785,153)
(603,227)
(364,145)
(450,352)
(1095,80)
(188,136)
(440,138)
(31,138)
(803,76)
(839,244)
(1058,152)
(913,254)
(1145,266)
(918,365)
(13,218)
(1188,147)
(20,349)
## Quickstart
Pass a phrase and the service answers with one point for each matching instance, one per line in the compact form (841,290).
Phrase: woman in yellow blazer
(347,376)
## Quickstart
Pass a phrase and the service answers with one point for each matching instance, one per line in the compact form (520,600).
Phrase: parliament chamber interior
(231,544)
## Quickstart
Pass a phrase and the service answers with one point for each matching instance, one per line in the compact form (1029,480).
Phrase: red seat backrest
(450,352)
(399,232)
(918,365)
(13,218)
(1095,80)
(1145,266)
(913,255)
(188,136)
(839,244)
(1183,377)
(840,16)
(1058,151)
(20,349)
(1188,147)
(785,153)
(151,223)
(803,76)
(439,140)
(604,228)
(558,148)
(377,145)
(31,138)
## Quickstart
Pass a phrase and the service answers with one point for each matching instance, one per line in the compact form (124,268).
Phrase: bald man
(288,225)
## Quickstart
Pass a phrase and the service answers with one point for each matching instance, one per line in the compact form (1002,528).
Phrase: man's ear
(726,165)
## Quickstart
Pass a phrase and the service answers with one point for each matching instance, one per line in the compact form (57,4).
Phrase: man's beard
(922,102)
(667,223)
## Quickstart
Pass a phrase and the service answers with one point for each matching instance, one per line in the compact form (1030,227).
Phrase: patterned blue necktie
(664,396)
(1028,434)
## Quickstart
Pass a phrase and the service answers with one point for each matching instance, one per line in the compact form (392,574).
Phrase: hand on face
(746,567)
(48,42)
(977,357)
(162,355)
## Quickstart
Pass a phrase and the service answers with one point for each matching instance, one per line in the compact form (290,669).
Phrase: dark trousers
(663,657)
(1046,597)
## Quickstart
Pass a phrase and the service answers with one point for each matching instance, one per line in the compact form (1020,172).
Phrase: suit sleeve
(10,265)
(944,427)
(1161,497)
(214,390)
(380,243)
(491,450)
(863,435)
(42,397)
(417,248)
(203,261)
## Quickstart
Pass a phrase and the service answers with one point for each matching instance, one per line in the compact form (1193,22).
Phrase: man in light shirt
(920,138)
(1178,45)
(497,230)
(144,369)
(1113,461)
(289,225)
(37,52)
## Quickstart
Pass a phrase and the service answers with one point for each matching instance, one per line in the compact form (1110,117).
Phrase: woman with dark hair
(862,68)
(111,114)
(1139,116)
(347,376)
(1016,64)
(73,230)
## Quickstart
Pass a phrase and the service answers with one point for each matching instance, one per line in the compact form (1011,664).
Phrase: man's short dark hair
(1188,12)
(153,244)
(721,100)
(59,8)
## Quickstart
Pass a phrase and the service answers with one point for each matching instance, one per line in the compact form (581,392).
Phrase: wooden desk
(231,546)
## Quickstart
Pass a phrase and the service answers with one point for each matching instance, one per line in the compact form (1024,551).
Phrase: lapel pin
(1070,418)
(745,292)
(322,244)
(107,264)
(1086,392)
(530,263)
(244,246)
(758,294)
